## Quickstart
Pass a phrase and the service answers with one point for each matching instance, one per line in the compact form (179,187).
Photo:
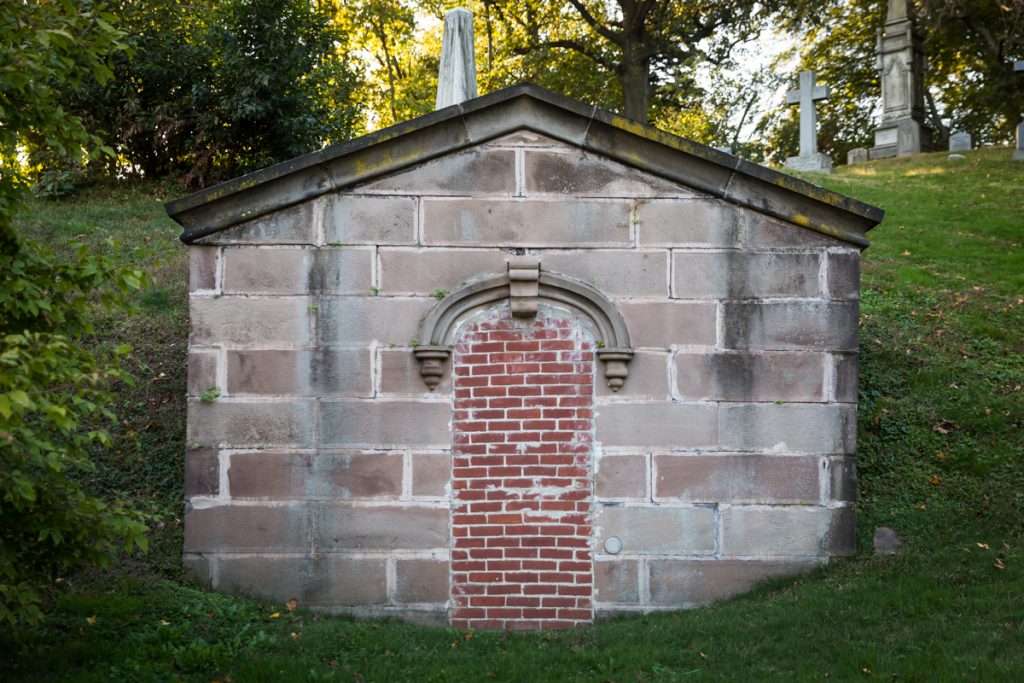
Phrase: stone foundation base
(820,163)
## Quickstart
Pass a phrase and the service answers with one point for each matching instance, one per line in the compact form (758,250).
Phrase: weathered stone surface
(784,531)
(431,474)
(744,275)
(363,320)
(588,175)
(313,581)
(475,172)
(960,142)
(703,223)
(202,268)
(617,581)
(661,325)
(657,530)
(355,424)
(846,371)
(699,582)
(353,219)
(648,377)
(246,529)
(421,581)
(326,476)
(273,270)
(527,138)
(751,376)
(844,275)
(294,225)
(662,425)
(342,270)
(198,569)
(843,473)
(400,375)
(202,370)
(764,231)
(241,321)
(789,428)
(804,325)
(526,223)
(616,274)
(202,472)
(428,271)
(737,479)
(857,155)
(621,476)
(342,527)
(886,541)
(315,372)
(249,424)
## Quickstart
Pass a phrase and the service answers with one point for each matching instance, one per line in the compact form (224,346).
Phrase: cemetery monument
(805,96)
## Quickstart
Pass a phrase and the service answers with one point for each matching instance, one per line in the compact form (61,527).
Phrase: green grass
(941,460)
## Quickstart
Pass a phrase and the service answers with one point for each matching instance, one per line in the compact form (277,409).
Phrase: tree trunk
(636,91)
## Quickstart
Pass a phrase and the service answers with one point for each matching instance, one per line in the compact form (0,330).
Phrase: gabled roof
(535,108)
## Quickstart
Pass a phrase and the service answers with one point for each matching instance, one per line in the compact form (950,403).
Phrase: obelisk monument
(456,79)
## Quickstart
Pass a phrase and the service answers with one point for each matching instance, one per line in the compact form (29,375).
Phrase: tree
(53,398)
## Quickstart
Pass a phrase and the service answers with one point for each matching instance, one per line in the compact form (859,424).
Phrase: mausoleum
(519,363)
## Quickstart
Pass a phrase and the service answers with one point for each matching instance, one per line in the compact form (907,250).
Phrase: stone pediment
(653,163)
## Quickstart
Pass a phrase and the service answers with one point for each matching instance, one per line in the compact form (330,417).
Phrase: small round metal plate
(613,546)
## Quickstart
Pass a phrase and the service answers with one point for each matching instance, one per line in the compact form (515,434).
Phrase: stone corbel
(431,360)
(616,365)
(523,285)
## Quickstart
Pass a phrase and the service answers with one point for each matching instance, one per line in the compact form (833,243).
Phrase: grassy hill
(941,460)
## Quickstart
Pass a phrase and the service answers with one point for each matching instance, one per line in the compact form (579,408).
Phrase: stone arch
(525,285)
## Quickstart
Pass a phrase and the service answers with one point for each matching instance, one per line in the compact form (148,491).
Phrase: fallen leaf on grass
(998,564)
(983,546)
(91,620)
(292,604)
(922,506)
(275,615)
(935,481)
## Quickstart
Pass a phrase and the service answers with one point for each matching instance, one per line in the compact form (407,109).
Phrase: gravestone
(960,142)
(901,65)
(456,78)
(857,155)
(805,96)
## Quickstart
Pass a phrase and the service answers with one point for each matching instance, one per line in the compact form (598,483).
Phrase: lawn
(941,460)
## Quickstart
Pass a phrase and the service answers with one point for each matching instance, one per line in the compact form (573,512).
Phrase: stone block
(472,172)
(661,325)
(315,372)
(789,428)
(270,475)
(250,270)
(202,370)
(698,223)
(960,142)
(341,527)
(419,581)
(198,569)
(648,377)
(352,321)
(526,223)
(621,476)
(737,479)
(250,424)
(400,375)
(407,271)
(809,325)
(353,219)
(243,321)
(294,225)
(247,529)
(301,476)
(617,581)
(617,274)
(679,583)
(843,474)
(657,530)
(380,424)
(342,270)
(846,372)
(764,231)
(777,376)
(431,474)
(658,425)
(202,472)
(574,172)
(857,155)
(844,275)
(328,581)
(785,531)
(744,275)
(202,268)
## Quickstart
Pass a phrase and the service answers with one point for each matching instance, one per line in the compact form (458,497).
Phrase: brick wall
(521,479)
(322,469)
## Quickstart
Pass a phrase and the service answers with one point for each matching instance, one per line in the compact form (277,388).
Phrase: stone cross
(806,96)
(456,80)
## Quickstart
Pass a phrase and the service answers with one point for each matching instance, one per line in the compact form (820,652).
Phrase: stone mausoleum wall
(323,470)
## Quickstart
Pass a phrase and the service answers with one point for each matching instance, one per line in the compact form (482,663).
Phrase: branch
(574,45)
(595,24)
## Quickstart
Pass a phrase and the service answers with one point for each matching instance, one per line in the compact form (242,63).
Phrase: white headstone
(806,95)
(456,79)
(857,155)
(1018,154)
(959,142)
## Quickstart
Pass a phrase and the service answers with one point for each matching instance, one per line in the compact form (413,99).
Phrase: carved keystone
(523,285)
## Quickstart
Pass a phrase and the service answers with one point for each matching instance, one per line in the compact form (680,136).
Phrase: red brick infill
(521,477)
